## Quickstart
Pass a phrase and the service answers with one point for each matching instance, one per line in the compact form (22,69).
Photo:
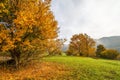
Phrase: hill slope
(64,68)
(88,69)
(110,42)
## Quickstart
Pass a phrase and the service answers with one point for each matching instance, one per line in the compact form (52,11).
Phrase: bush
(100,48)
(118,57)
(63,54)
(109,54)
(69,52)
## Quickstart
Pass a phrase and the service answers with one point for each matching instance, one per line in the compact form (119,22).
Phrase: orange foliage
(54,47)
(81,45)
(31,28)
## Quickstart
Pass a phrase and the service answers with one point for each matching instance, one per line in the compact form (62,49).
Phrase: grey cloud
(97,18)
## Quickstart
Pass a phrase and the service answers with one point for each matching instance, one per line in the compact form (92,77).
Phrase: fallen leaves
(36,71)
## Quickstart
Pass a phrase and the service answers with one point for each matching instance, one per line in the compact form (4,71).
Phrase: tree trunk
(16,57)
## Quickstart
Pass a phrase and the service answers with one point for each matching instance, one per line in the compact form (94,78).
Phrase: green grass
(82,68)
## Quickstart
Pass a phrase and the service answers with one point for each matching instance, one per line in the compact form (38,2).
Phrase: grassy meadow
(65,68)
(83,68)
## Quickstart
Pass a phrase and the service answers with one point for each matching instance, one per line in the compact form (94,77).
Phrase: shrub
(63,54)
(118,57)
(100,48)
(109,54)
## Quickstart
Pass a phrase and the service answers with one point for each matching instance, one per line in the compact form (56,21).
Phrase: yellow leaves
(7,45)
(34,25)
(3,35)
(5,11)
(0,41)
(91,52)
(5,48)
(2,5)
(82,44)
(54,46)
(5,39)
(43,18)
(20,19)
(27,43)
(17,39)
(3,8)
(24,20)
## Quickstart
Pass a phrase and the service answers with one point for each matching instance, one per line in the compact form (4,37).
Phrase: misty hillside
(110,42)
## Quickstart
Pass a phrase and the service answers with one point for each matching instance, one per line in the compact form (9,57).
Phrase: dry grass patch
(35,71)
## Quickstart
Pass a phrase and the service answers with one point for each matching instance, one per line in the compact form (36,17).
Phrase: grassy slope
(89,69)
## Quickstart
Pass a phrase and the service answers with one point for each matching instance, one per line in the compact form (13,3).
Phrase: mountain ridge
(111,42)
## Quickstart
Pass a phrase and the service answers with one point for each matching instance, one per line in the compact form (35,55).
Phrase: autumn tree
(81,45)
(55,46)
(8,9)
(100,49)
(31,25)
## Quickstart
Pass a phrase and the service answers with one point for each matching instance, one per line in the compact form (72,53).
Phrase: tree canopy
(31,26)
(81,45)
(100,49)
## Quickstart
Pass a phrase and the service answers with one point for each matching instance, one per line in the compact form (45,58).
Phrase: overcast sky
(97,18)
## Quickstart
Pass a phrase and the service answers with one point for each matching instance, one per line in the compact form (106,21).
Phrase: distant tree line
(84,45)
